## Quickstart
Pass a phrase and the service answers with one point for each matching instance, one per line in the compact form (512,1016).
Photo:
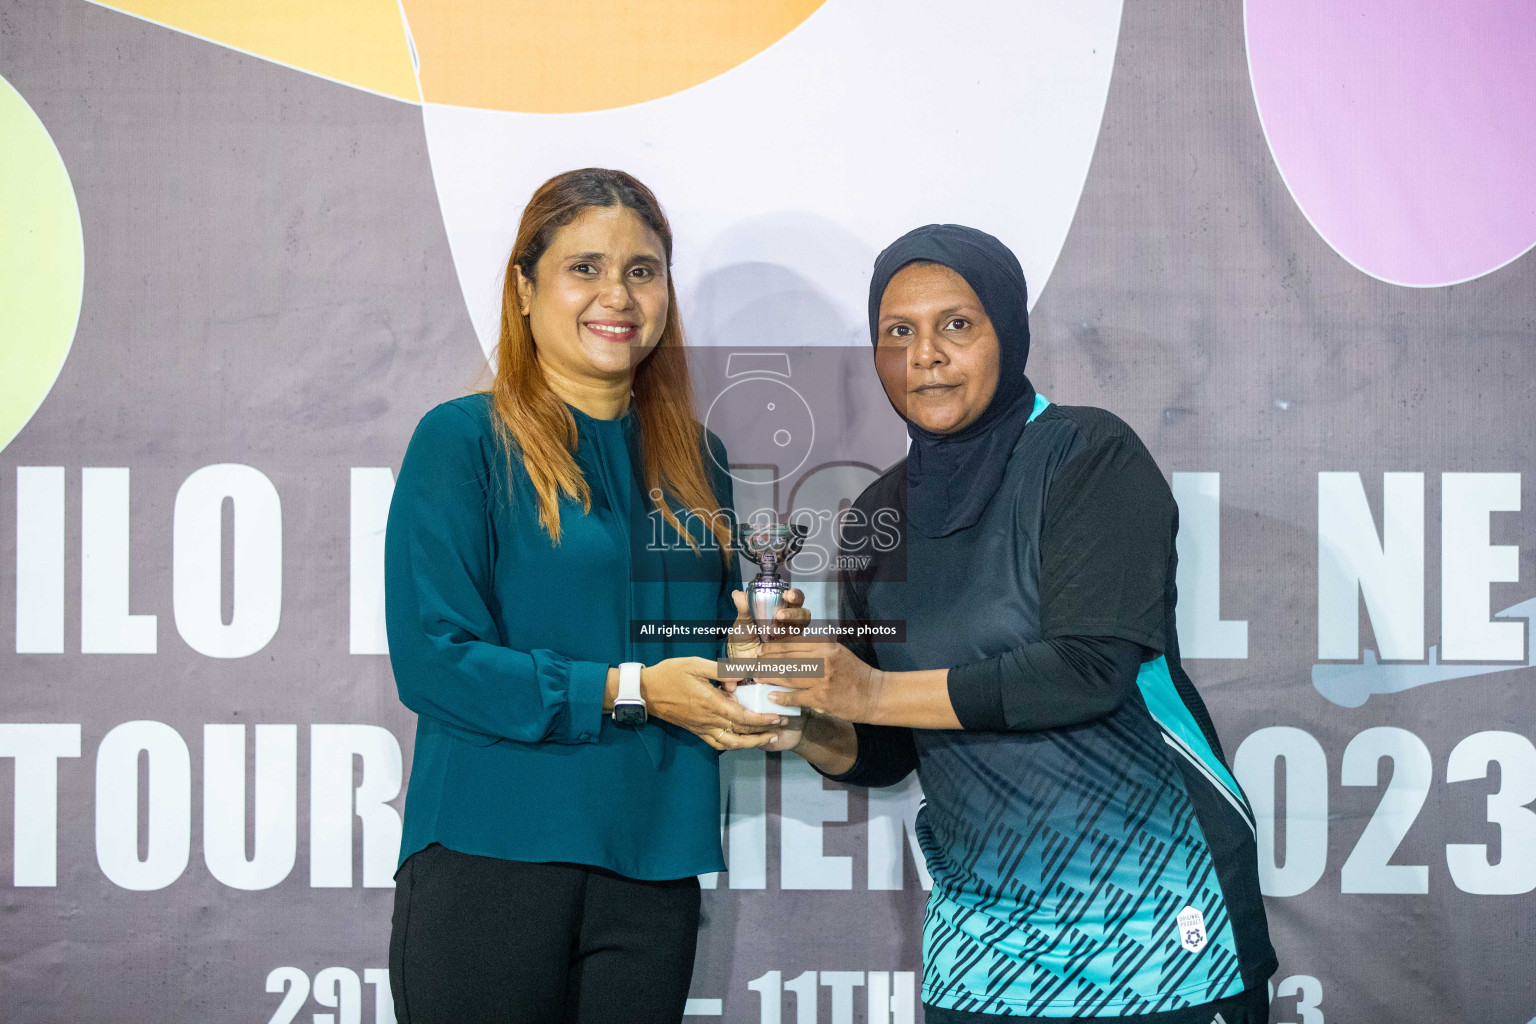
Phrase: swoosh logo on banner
(1351,686)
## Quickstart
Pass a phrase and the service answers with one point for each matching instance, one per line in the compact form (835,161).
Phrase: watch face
(629,714)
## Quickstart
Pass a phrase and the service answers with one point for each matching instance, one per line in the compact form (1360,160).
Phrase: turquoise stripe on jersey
(1041,404)
(1165,704)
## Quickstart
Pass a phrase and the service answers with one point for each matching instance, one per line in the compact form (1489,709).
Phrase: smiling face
(597,303)
(935,350)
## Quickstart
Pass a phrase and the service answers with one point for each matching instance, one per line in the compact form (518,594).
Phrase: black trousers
(1250,1007)
(479,939)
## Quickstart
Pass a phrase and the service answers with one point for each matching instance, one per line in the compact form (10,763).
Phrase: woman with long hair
(564,794)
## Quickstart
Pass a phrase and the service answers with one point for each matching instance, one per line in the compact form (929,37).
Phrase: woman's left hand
(682,691)
(847,688)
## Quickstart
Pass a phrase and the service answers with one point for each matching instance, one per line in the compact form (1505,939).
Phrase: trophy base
(754,697)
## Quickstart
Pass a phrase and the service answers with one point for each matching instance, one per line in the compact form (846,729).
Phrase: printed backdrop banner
(244,247)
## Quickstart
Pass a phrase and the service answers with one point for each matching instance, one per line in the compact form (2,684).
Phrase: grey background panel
(268,282)
(1194,299)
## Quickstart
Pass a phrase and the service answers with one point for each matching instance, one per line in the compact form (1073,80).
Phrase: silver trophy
(771,545)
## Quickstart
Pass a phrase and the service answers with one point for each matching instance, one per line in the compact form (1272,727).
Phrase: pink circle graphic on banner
(1403,130)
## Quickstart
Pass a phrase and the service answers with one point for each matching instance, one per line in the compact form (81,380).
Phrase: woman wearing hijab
(564,793)
(1092,856)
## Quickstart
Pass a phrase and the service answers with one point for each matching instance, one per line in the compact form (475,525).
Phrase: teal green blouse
(501,642)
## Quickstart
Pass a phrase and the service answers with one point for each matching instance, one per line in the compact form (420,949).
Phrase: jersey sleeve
(1106,540)
(1051,684)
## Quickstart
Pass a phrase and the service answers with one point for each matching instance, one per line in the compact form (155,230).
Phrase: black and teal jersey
(1090,857)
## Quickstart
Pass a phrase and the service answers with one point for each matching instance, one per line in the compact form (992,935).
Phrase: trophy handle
(743,531)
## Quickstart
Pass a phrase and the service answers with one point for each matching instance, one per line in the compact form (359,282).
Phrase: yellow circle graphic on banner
(42,263)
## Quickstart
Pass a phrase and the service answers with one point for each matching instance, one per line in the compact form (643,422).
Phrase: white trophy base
(754,697)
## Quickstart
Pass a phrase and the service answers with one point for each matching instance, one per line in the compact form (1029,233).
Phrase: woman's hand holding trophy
(769,608)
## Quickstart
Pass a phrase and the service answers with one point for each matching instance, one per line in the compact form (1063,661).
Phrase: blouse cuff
(584,701)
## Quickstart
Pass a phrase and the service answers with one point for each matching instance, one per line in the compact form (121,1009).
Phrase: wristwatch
(629,706)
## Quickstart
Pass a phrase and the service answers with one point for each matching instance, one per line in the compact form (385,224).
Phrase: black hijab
(951,477)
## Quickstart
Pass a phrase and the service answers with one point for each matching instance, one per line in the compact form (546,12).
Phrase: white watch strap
(629,682)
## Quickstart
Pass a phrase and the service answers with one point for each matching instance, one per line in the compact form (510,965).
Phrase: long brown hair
(532,419)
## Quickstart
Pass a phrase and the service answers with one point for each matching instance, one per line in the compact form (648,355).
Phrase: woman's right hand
(828,743)
(790,737)
(682,691)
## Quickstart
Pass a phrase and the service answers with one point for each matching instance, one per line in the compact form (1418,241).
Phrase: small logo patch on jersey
(1191,925)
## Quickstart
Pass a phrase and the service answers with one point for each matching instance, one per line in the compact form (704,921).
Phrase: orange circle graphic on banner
(533,56)
(594,55)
